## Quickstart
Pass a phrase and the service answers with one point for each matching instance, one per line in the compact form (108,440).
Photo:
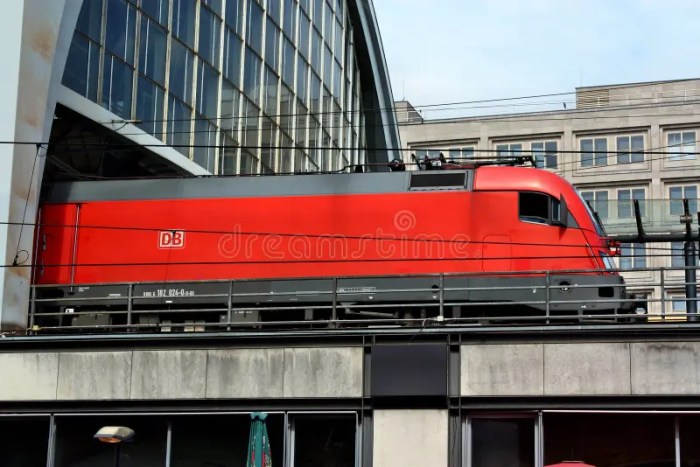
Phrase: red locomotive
(277,239)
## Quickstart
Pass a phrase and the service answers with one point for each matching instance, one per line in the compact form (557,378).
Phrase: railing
(449,300)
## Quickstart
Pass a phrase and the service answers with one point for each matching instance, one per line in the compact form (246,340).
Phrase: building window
(230,98)
(234,15)
(183,20)
(152,50)
(545,154)
(327,66)
(208,89)
(23,440)
(121,30)
(594,151)
(625,202)
(205,140)
(324,440)
(156,9)
(633,256)
(149,106)
(272,46)
(677,303)
(316,46)
(302,78)
(681,145)
(630,149)
(598,200)
(82,67)
(215,5)
(461,154)
(288,62)
(304,30)
(209,36)
(255,27)
(509,150)
(227,157)
(677,194)
(289,19)
(90,20)
(274,10)
(232,57)
(178,121)
(116,87)
(502,441)
(677,255)
(249,163)
(251,79)
(181,64)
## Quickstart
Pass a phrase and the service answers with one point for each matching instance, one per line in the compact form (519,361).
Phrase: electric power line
(450,105)
(568,114)
(324,261)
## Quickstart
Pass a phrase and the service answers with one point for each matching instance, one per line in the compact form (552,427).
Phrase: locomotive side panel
(203,239)
(209,239)
(56,237)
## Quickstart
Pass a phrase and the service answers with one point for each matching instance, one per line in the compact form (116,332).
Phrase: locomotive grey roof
(257,186)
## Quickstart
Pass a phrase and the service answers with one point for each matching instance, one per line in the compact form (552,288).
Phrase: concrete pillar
(36,40)
(410,438)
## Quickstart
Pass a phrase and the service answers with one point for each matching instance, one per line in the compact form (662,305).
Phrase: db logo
(171,239)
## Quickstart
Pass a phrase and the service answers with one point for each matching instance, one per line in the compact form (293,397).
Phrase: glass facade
(238,86)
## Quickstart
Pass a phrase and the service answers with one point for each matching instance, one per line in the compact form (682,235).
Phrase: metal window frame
(468,430)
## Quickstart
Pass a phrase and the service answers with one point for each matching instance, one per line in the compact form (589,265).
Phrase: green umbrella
(259,443)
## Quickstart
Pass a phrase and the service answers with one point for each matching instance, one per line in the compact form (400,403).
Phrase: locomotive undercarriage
(332,302)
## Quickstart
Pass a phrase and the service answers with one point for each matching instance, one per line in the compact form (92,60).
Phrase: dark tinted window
(534,207)
(208,441)
(77,447)
(501,442)
(324,441)
(24,442)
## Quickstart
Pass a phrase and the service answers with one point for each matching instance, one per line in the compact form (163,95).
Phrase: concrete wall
(182,374)
(535,369)
(410,438)
(581,369)
(36,39)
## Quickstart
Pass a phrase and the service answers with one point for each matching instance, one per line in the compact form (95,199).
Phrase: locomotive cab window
(539,208)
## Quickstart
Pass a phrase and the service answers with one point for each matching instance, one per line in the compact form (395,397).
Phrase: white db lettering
(171,239)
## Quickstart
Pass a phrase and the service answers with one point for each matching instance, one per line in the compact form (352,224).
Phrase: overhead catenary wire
(450,105)
(391,109)
(512,118)
(526,117)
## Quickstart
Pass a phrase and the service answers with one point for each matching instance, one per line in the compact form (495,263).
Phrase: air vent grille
(593,99)
(438,180)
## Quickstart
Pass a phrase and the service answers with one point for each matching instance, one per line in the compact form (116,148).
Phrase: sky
(442,51)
